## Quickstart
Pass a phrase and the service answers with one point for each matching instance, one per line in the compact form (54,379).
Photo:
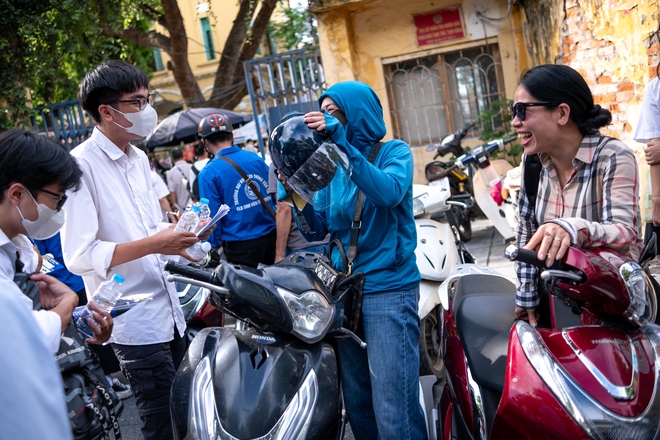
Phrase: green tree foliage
(497,124)
(296,29)
(47,46)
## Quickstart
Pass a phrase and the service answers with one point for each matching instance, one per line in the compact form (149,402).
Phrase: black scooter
(278,378)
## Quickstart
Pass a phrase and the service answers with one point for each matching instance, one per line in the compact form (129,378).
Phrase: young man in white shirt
(35,172)
(113,226)
(177,180)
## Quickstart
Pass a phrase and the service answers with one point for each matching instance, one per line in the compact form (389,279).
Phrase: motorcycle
(198,312)
(482,174)
(277,378)
(594,373)
(439,248)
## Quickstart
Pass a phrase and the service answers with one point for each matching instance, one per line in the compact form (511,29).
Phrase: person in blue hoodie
(381,383)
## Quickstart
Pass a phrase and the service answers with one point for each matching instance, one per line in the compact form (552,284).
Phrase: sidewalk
(487,246)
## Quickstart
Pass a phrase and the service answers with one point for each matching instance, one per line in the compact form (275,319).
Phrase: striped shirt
(598,206)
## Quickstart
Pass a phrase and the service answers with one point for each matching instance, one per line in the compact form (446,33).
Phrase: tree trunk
(229,87)
(178,52)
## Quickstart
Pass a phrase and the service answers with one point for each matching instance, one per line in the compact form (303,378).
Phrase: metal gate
(283,83)
(65,122)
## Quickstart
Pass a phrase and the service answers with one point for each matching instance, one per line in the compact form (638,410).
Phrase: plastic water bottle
(199,250)
(204,214)
(105,297)
(189,220)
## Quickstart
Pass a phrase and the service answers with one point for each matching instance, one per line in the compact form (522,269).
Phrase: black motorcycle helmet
(212,124)
(308,159)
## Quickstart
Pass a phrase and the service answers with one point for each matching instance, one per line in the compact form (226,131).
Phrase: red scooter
(592,374)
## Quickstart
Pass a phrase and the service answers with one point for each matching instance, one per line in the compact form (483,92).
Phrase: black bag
(93,406)
(194,188)
(344,288)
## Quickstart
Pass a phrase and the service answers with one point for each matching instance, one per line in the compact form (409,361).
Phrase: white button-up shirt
(117,204)
(49,322)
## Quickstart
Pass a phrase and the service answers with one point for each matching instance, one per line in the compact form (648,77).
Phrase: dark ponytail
(562,84)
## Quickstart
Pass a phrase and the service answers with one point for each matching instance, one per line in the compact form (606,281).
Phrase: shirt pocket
(148,206)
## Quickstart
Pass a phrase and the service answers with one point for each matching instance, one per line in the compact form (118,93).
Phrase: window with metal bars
(433,96)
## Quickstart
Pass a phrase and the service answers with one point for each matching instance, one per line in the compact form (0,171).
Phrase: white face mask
(143,121)
(46,225)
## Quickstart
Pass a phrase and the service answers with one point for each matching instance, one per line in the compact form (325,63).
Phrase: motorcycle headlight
(202,416)
(310,313)
(643,303)
(419,203)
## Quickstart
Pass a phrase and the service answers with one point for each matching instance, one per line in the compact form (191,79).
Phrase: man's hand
(101,325)
(529,315)
(56,297)
(552,242)
(53,292)
(207,233)
(171,242)
(652,152)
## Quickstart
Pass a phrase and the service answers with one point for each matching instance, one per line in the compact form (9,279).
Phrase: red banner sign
(437,26)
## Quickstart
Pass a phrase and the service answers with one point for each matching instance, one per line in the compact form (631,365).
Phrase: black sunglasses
(61,198)
(140,102)
(519,108)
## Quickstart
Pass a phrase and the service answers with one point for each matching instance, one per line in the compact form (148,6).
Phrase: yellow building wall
(356,38)
(221,15)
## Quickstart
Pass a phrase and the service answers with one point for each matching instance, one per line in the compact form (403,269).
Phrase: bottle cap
(206,246)
(195,208)
(203,201)
(118,278)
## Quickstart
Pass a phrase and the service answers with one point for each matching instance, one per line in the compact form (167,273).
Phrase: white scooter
(439,249)
(484,173)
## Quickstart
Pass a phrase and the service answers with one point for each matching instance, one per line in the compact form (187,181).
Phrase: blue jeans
(381,383)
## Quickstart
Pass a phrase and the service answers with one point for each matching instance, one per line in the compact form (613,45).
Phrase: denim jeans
(150,370)
(381,383)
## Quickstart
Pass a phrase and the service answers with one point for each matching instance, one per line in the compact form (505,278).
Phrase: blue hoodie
(387,241)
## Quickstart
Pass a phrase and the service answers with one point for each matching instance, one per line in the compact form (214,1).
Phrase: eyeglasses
(141,101)
(61,198)
(520,108)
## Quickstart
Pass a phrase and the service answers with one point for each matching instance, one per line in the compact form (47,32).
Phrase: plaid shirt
(598,206)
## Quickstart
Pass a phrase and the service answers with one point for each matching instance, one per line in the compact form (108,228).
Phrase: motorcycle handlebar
(515,253)
(191,272)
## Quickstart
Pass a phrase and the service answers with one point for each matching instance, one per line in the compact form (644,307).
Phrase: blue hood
(363,111)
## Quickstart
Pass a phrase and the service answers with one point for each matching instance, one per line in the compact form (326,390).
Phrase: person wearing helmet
(381,383)
(247,233)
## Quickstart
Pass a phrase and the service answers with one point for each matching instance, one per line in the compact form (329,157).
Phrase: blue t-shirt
(387,240)
(222,184)
(51,251)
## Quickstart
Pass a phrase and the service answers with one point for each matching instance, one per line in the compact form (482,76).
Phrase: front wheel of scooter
(431,360)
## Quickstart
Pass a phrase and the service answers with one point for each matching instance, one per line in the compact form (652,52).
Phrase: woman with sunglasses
(588,188)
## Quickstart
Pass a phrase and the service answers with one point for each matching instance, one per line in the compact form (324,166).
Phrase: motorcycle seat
(483,310)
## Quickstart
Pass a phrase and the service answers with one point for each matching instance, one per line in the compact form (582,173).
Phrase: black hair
(107,82)
(220,136)
(177,154)
(562,84)
(35,161)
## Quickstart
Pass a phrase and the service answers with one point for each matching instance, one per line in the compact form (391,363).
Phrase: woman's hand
(529,315)
(552,242)
(315,120)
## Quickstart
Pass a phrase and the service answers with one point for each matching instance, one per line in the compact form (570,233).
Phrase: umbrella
(182,126)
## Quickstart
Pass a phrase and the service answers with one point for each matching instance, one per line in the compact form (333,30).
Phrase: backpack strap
(357,214)
(531,175)
(250,183)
